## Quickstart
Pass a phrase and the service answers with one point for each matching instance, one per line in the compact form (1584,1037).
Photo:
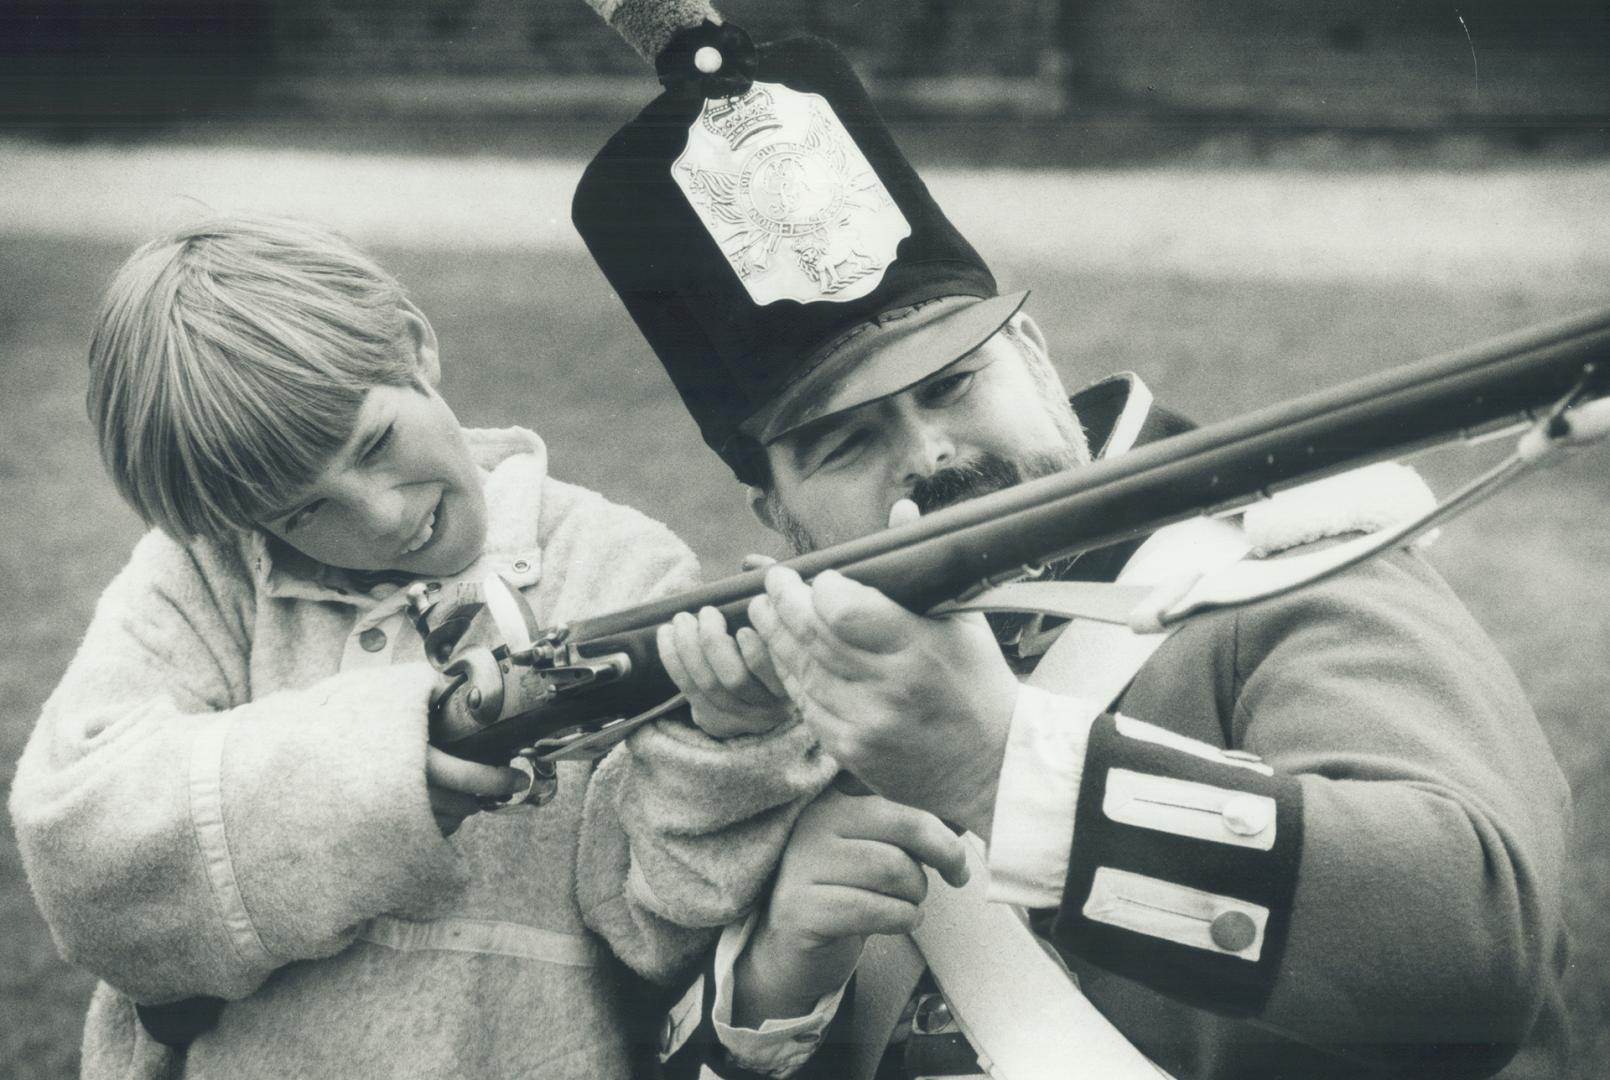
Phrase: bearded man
(1321,836)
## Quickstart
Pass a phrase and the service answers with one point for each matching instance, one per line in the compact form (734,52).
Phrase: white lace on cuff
(1032,832)
(778,1047)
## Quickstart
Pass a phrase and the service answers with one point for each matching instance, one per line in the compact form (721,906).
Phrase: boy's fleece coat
(226,796)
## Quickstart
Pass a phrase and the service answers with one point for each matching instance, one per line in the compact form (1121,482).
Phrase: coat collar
(1119,413)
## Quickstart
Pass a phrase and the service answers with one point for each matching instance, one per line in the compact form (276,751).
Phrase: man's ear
(1029,330)
(420,339)
(760,506)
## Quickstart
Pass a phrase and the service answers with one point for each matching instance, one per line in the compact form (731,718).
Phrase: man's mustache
(981,475)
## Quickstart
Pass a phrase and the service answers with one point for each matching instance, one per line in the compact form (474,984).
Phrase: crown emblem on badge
(789,198)
(735,119)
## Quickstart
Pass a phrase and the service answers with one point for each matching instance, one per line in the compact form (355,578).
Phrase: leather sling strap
(1014,1000)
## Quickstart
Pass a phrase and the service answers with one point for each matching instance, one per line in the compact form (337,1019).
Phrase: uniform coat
(1415,877)
(1407,872)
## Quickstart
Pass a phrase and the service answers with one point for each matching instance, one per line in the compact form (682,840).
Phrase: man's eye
(844,448)
(949,388)
(380,445)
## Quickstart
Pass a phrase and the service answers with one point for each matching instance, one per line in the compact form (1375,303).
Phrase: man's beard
(982,475)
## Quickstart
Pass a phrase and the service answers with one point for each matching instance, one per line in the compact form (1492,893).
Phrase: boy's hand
(456,785)
(729,681)
(852,868)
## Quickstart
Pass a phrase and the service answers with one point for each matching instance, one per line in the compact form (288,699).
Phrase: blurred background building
(1536,73)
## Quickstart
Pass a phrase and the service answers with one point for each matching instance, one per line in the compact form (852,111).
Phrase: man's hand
(852,868)
(916,707)
(731,686)
(456,785)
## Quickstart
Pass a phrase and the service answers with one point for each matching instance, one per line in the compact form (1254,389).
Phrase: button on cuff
(1233,931)
(1246,815)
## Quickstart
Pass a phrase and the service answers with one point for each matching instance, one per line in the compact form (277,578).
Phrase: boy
(228,810)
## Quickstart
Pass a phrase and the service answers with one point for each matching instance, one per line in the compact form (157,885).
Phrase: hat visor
(882,358)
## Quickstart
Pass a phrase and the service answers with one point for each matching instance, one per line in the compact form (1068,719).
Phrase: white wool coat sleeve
(184,836)
(701,825)
(680,832)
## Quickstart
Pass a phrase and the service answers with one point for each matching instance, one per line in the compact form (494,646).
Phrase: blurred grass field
(533,337)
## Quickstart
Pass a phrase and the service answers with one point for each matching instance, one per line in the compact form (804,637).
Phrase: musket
(567,690)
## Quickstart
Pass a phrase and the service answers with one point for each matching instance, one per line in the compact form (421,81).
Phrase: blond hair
(228,364)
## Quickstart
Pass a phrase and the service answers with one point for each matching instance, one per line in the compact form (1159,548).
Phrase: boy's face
(402,494)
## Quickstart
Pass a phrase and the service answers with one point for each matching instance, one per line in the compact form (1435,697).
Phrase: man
(1321,836)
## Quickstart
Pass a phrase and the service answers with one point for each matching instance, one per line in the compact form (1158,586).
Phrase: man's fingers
(783,647)
(789,658)
(916,832)
(758,659)
(936,846)
(763,615)
(757,562)
(443,770)
(795,634)
(842,911)
(791,599)
(860,616)
(881,868)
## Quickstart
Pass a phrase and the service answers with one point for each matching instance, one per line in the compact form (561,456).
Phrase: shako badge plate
(789,198)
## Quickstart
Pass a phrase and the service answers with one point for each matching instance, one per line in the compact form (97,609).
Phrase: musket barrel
(1369,419)
(1211,468)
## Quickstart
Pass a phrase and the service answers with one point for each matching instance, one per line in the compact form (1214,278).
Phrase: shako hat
(775,248)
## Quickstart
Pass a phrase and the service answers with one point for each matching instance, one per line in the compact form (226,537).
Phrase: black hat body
(747,234)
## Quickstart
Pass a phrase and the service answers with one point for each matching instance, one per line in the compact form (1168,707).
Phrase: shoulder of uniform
(1361,500)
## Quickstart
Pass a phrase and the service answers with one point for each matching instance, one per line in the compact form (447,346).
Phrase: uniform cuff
(1032,832)
(778,1047)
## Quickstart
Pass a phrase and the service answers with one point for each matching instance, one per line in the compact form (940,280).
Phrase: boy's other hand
(853,867)
(456,786)
(731,686)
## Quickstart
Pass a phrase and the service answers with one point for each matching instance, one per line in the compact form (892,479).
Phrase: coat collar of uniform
(1119,413)
(513,463)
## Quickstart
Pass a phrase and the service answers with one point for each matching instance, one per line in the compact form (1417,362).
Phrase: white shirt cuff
(778,1047)
(1031,836)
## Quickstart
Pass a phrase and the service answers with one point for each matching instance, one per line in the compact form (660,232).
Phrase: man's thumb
(903,512)
(860,616)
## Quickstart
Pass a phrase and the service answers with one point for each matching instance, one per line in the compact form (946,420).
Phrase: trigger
(516,622)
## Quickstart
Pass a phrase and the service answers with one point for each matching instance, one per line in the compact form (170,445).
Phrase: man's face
(403,494)
(981,424)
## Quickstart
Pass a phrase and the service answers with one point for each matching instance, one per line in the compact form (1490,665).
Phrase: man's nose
(928,447)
